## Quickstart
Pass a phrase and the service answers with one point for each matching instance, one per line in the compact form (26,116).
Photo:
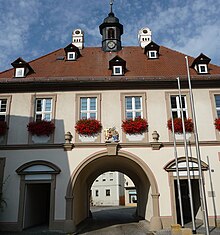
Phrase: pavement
(109,221)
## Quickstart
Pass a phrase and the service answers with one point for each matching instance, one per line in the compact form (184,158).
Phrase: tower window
(111,33)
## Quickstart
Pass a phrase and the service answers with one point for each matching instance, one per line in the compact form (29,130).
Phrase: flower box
(135,127)
(178,128)
(41,128)
(88,127)
(3,128)
(217,124)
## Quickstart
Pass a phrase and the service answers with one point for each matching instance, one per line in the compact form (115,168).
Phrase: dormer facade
(72,52)
(144,37)
(111,31)
(200,64)
(118,66)
(21,68)
(152,50)
(78,38)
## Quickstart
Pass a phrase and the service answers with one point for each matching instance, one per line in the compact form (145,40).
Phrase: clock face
(111,44)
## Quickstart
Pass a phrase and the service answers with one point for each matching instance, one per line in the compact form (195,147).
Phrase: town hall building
(78,112)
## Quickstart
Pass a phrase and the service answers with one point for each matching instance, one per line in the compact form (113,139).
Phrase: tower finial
(111,3)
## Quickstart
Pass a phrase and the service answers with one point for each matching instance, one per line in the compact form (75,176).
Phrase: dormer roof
(201,59)
(117,61)
(72,48)
(20,63)
(152,46)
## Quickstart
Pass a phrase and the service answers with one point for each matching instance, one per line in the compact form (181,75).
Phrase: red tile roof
(94,63)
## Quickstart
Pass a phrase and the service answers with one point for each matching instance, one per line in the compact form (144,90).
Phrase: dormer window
(118,66)
(152,54)
(203,68)
(21,68)
(72,52)
(71,56)
(117,70)
(200,64)
(152,50)
(19,72)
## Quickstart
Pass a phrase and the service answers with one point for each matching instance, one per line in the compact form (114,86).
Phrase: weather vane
(111,3)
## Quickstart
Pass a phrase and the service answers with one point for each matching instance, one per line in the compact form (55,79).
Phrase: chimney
(144,37)
(78,38)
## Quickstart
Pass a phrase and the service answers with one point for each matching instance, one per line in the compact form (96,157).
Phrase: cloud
(36,27)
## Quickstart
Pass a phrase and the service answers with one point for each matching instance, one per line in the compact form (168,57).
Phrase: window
(203,68)
(107,192)
(217,105)
(117,70)
(3,109)
(19,72)
(96,193)
(43,109)
(152,54)
(133,107)
(88,107)
(111,33)
(175,106)
(71,56)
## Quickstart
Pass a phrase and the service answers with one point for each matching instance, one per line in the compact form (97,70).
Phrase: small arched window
(111,33)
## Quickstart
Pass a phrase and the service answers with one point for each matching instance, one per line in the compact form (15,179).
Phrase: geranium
(88,127)
(3,127)
(133,127)
(217,124)
(41,128)
(178,128)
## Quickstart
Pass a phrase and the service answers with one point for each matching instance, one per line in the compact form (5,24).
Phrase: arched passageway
(77,198)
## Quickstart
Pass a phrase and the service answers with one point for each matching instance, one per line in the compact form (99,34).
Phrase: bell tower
(111,31)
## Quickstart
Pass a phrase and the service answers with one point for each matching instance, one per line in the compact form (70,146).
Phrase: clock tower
(111,31)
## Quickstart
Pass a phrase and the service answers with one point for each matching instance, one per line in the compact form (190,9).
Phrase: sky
(33,28)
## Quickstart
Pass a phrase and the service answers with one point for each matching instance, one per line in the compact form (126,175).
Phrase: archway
(77,197)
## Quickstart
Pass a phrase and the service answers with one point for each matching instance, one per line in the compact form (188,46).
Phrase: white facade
(108,190)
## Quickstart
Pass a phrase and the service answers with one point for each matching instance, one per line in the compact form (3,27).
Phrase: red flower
(88,127)
(178,128)
(217,124)
(3,127)
(41,128)
(134,127)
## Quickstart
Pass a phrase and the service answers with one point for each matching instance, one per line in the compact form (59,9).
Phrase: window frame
(150,55)
(71,53)
(77,112)
(32,111)
(178,107)
(133,109)
(200,66)
(214,110)
(117,67)
(143,95)
(43,112)
(18,70)
(89,111)
(168,107)
(7,115)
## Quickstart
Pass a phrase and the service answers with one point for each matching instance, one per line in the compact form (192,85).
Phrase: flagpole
(203,196)
(177,172)
(187,160)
